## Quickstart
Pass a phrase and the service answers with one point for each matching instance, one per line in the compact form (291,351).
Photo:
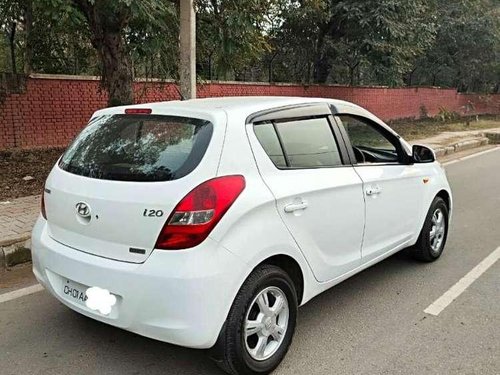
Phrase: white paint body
(184,296)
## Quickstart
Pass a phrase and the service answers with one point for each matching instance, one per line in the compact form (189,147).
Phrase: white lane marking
(496,148)
(20,293)
(452,294)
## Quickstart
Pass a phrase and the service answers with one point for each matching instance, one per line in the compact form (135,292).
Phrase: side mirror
(422,154)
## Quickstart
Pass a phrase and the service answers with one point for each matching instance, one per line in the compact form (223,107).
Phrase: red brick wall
(53,109)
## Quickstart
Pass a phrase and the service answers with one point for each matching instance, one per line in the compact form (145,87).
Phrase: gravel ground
(19,164)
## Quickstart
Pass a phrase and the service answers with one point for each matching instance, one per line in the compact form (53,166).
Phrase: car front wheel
(261,323)
(432,239)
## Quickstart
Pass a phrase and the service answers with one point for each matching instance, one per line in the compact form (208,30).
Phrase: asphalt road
(372,323)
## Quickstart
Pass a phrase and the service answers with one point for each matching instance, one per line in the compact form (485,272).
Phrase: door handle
(373,190)
(295,206)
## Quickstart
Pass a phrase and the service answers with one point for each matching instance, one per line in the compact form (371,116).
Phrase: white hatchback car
(206,223)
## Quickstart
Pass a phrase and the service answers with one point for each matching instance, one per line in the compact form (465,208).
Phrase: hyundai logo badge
(83,210)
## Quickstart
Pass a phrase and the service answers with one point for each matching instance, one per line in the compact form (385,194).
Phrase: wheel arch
(445,195)
(291,267)
(286,262)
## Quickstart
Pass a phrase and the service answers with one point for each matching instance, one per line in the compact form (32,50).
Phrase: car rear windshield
(138,147)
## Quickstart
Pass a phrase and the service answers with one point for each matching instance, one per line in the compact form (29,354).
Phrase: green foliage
(61,41)
(386,35)
(445,115)
(11,24)
(151,36)
(231,34)
(357,42)
(361,41)
(466,53)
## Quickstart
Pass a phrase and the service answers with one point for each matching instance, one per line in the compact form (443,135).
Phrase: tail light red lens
(199,212)
(138,111)
(42,206)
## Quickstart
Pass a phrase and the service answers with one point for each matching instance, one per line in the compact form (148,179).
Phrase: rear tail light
(42,207)
(138,111)
(199,212)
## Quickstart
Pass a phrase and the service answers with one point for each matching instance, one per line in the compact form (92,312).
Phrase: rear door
(318,196)
(116,185)
(393,188)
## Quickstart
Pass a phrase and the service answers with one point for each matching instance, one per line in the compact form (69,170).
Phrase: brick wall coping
(66,77)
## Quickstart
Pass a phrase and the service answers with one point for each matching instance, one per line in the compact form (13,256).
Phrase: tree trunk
(321,64)
(352,70)
(270,68)
(117,74)
(410,76)
(28,25)
(322,60)
(210,77)
(322,68)
(12,46)
(106,26)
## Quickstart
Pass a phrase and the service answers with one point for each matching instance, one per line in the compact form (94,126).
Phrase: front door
(393,188)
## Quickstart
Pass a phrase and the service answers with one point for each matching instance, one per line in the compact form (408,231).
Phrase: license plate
(74,291)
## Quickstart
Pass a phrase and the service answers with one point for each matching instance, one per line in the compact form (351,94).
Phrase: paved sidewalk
(448,143)
(17,217)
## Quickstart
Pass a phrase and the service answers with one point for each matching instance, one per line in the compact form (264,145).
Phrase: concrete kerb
(460,146)
(15,251)
(493,136)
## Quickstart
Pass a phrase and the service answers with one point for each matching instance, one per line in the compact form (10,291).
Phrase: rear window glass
(138,148)
(269,140)
(304,143)
(309,143)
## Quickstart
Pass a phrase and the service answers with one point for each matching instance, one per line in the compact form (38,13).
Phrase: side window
(369,144)
(270,143)
(307,143)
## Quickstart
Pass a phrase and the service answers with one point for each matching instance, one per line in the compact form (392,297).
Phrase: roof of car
(242,105)
(246,105)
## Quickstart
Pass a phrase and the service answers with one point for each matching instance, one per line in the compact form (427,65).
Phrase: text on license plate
(75,291)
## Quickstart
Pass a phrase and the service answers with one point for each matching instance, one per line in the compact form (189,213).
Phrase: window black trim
(403,158)
(341,147)
(280,141)
(344,155)
(290,113)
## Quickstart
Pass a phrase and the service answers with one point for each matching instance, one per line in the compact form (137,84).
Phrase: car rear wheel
(261,323)
(432,239)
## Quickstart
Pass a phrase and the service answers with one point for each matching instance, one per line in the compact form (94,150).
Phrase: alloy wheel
(266,323)
(437,232)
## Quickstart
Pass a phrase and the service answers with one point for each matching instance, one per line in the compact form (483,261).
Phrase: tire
(427,248)
(237,353)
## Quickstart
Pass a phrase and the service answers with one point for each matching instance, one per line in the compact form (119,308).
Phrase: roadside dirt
(18,164)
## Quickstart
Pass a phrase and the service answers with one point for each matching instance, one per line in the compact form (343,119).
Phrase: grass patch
(420,129)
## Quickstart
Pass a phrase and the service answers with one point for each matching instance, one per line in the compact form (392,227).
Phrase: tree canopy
(356,42)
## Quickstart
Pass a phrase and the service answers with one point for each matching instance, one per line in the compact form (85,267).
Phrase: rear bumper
(180,297)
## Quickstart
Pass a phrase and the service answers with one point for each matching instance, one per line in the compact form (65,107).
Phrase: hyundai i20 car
(206,223)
